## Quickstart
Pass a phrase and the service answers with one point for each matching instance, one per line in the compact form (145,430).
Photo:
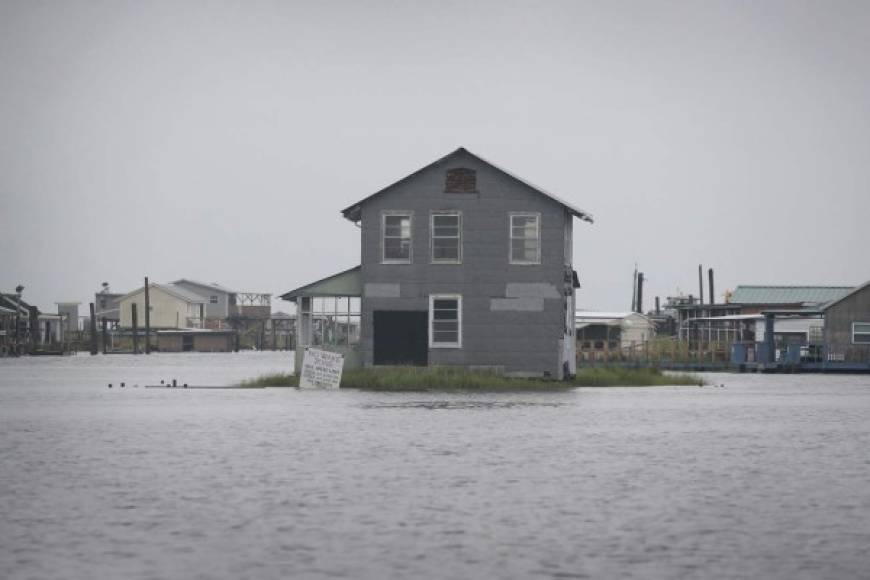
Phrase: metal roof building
(808,295)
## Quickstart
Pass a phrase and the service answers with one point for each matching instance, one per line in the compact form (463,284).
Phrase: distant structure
(188,315)
(600,334)
(247,313)
(107,306)
(26,330)
(70,313)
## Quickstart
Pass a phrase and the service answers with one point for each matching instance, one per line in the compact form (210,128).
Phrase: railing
(194,322)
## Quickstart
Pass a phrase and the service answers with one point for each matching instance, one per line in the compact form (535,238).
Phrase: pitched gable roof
(352,212)
(854,291)
(171,289)
(212,286)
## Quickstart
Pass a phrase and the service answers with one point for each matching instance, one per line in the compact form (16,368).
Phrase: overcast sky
(219,140)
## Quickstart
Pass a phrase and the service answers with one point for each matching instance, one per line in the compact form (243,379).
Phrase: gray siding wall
(838,326)
(525,339)
(219,310)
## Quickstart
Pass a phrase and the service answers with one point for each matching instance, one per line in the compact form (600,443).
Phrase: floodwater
(766,477)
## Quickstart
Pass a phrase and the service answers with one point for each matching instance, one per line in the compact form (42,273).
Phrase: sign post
(321,369)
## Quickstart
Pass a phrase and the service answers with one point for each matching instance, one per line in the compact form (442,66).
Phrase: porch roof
(346,283)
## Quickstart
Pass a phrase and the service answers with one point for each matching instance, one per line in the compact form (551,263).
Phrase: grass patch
(273,380)
(460,379)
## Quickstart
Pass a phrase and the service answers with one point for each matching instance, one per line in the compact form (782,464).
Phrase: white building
(171,307)
(600,331)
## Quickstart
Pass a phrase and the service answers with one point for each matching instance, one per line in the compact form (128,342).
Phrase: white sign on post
(321,369)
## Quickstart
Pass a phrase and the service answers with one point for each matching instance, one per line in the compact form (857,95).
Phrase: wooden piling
(147,319)
(135,329)
(93,330)
(33,313)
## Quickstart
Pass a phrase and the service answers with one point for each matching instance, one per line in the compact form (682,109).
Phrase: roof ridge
(838,286)
(581,214)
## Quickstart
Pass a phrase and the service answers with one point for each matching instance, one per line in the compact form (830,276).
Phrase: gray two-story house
(220,302)
(462,264)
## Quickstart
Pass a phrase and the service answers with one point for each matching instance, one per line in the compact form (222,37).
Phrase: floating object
(204,387)
(185,385)
(122,385)
(110,385)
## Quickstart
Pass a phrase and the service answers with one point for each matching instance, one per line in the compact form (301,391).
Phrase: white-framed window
(445,321)
(525,238)
(396,246)
(212,299)
(861,333)
(446,237)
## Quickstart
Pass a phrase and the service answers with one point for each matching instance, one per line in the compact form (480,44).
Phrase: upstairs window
(861,333)
(212,299)
(396,238)
(446,228)
(525,238)
(460,180)
(445,321)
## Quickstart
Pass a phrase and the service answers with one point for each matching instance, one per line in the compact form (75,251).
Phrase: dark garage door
(401,338)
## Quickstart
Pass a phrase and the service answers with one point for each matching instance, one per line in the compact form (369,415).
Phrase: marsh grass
(460,379)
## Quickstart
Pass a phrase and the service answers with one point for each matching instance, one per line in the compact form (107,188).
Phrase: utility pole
(634,290)
(147,319)
(18,290)
(135,329)
(93,330)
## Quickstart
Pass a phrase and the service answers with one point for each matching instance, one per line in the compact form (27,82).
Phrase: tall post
(147,319)
(104,324)
(700,284)
(769,343)
(274,336)
(639,308)
(93,330)
(634,290)
(33,326)
(658,306)
(17,319)
(135,323)
(711,292)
